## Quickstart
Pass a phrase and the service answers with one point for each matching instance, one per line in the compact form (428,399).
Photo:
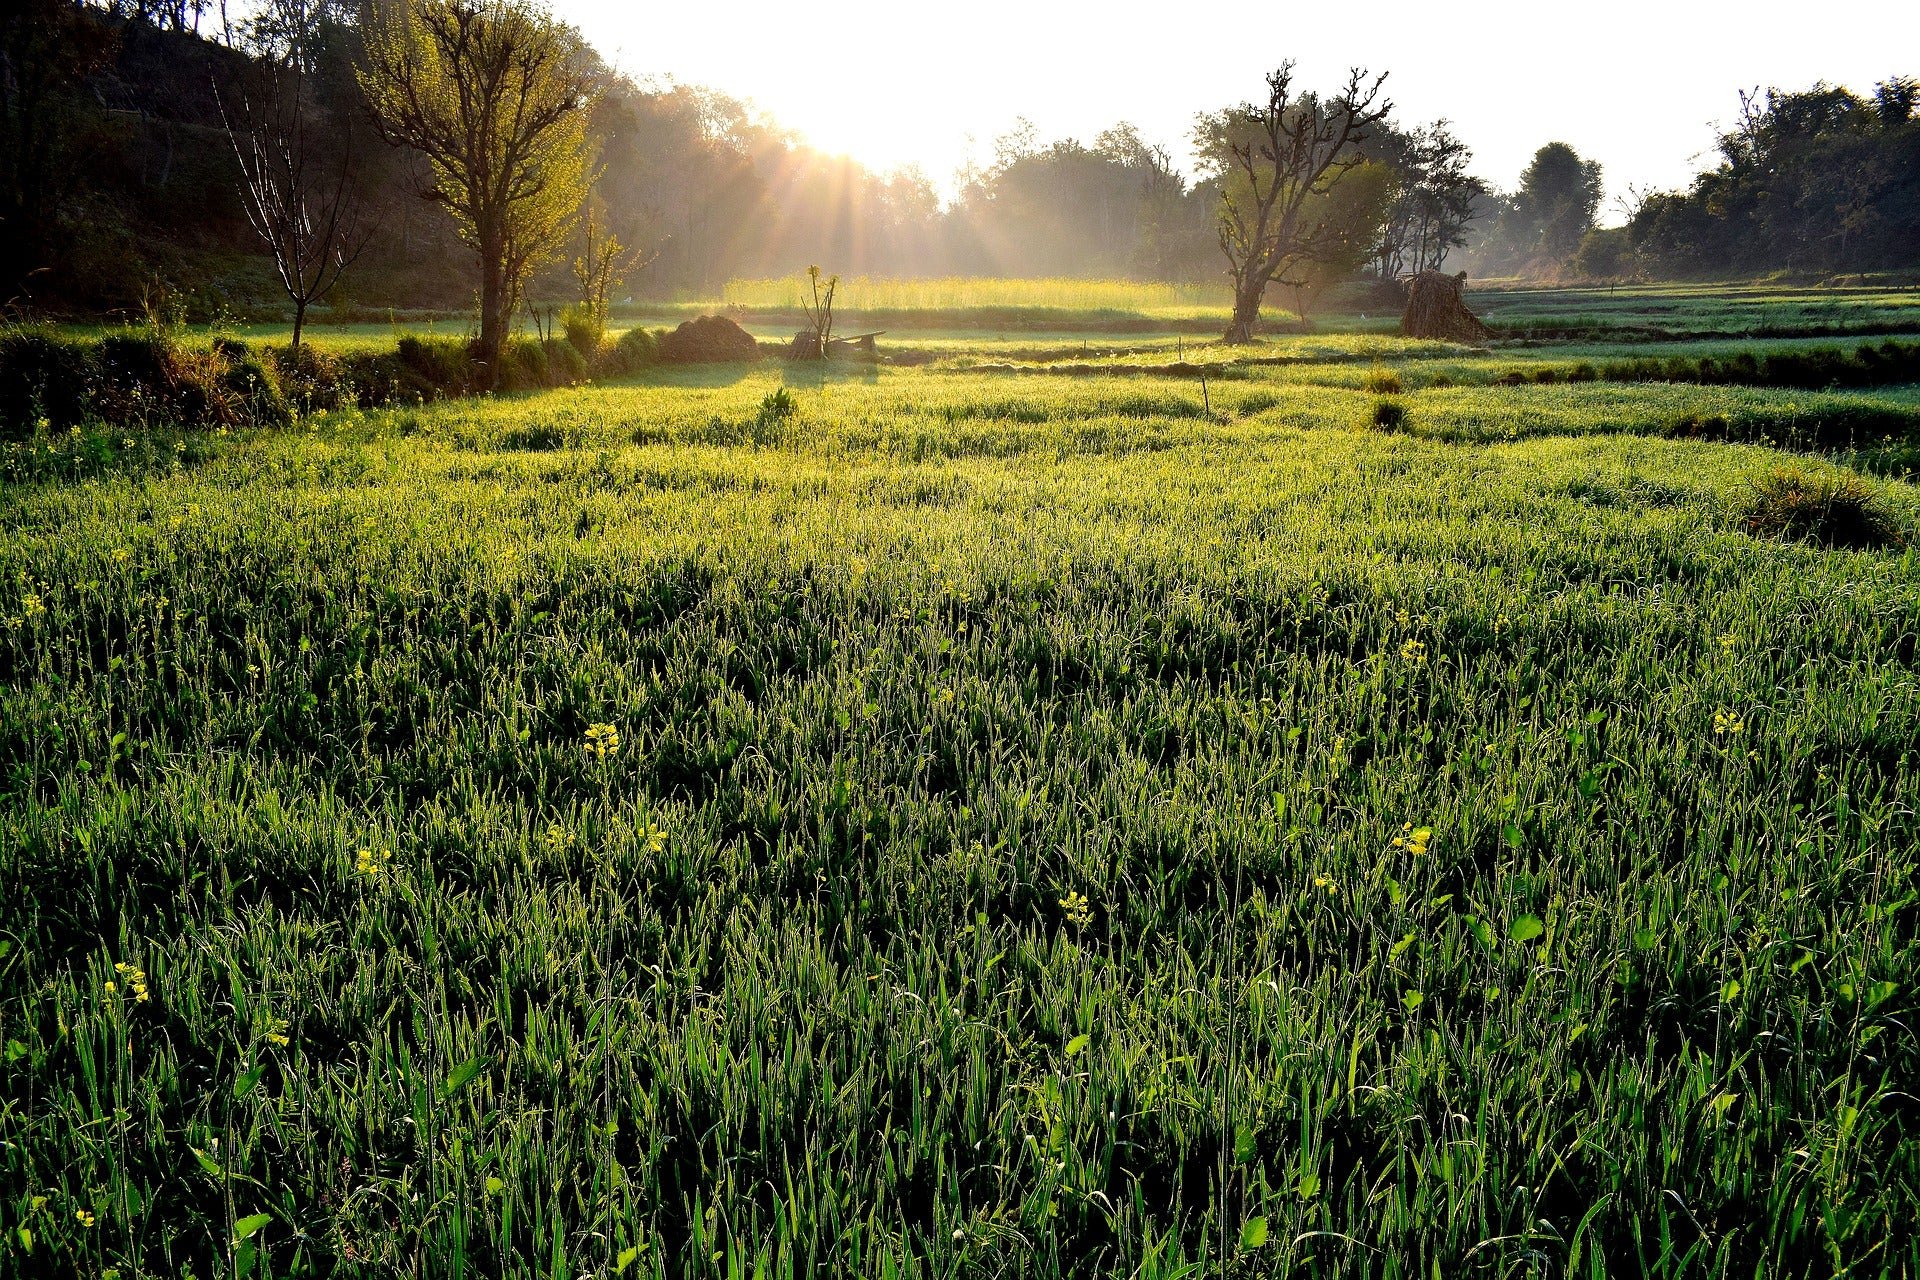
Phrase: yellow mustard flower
(603,740)
(1078,911)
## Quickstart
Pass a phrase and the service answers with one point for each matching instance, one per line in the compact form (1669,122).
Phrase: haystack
(1435,309)
(708,340)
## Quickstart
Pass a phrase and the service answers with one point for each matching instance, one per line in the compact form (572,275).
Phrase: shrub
(584,329)
(147,379)
(376,379)
(523,365)
(631,352)
(254,383)
(310,380)
(1383,382)
(1389,415)
(439,366)
(1834,508)
(43,376)
(566,366)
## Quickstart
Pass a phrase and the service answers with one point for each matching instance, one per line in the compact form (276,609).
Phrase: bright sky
(1636,84)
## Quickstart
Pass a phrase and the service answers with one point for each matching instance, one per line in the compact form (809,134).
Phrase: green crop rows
(955,823)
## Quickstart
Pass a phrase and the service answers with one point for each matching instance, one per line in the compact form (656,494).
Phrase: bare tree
(1275,161)
(304,208)
(601,269)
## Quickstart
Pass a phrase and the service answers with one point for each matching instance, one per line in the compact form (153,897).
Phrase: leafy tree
(1606,253)
(1434,198)
(1555,206)
(1274,162)
(493,94)
(1819,179)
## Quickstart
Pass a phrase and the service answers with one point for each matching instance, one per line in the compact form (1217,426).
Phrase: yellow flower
(1728,639)
(121,555)
(603,740)
(136,981)
(373,862)
(277,1031)
(1078,911)
(30,606)
(559,839)
(83,1217)
(1727,722)
(1414,651)
(1502,623)
(1413,839)
(656,839)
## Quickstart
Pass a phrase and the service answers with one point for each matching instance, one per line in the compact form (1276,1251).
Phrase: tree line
(148,148)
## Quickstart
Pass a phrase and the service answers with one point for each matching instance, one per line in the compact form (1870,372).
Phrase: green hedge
(147,378)
(1813,369)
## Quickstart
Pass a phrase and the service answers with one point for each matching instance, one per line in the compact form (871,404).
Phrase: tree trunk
(299,321)
(1246,312)
(493,311)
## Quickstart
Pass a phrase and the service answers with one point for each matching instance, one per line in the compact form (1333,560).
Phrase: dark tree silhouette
(1274,161)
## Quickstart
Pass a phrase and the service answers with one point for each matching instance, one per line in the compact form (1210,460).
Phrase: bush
(523,365)
(631,352)
(1834,508)
(435,367)
(1383,382)
(1389,415)
(376,379)
(310,380)
(566,366)
(148,379)
(254,383)
(585,330)
(42,376)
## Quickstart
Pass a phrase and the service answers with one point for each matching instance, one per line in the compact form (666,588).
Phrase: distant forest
(119,184)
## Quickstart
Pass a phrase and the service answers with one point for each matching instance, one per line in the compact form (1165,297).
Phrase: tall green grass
(1056,828)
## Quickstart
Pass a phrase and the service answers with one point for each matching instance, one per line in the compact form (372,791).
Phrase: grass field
(965,821)
(1666,311)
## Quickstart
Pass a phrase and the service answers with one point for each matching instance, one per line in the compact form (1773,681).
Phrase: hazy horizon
(893,89)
